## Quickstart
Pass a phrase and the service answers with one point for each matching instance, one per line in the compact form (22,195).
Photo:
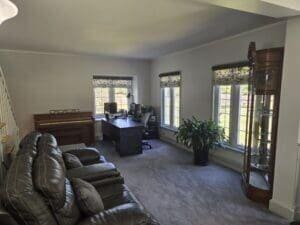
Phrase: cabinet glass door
(261,141)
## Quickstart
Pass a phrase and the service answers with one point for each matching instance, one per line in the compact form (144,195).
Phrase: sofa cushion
(94,172)
(29,143)
(69,214)
(88,199)
(20,198)
(116,194)
(49,179)
(71,161)
(87,155)
(47,144)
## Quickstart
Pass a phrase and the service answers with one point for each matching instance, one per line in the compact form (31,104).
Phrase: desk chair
(145,120)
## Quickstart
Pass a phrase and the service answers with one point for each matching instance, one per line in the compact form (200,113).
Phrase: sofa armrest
(126,214)
(87,155)
(94,172)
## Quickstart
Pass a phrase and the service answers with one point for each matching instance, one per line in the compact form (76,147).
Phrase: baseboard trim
(282,210)
(227,163)
(174,143)
(214,158)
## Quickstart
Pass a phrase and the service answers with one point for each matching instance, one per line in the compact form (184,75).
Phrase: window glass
(224,108)
(101,96)
(243,101)
(120,97)
(167,105)
(176,106)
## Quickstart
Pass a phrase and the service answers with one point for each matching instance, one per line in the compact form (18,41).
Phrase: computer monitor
(110,107)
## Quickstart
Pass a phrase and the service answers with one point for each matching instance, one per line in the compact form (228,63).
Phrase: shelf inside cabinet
(259,167)
(258,180)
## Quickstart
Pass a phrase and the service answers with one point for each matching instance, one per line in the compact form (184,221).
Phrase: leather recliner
(37,191)
(87,155)
(90,172)
(95,166)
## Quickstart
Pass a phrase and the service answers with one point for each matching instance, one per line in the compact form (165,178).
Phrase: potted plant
(201,136)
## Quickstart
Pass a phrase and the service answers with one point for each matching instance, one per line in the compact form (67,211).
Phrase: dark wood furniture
(126,133)
(152,128)
(262,120)
(68,128)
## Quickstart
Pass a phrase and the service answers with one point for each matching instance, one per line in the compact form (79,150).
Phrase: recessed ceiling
(122,28)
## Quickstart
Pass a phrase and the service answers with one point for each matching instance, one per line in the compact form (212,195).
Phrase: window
(170,99)
(230,84)
(120,95)
(111,89)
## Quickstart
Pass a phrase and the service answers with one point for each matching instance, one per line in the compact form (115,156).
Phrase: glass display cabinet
(262,118)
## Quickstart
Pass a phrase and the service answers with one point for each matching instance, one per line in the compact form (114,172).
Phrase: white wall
(195,65)
(286,157)
(38,82)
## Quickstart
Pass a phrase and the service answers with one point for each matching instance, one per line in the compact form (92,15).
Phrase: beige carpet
(178,193)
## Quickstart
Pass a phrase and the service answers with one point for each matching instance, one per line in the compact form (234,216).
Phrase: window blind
(237,73)
(112,82)
(171,79)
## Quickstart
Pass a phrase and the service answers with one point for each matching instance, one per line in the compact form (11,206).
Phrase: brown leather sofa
(38,189)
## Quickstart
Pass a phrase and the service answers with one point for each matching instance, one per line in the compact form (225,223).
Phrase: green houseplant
(201,136)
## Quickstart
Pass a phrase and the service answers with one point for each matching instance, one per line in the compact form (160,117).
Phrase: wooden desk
(126,133)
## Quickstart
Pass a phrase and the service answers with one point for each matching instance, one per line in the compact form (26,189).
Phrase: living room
(55,55)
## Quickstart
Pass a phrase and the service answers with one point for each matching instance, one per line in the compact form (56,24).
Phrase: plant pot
(201,157)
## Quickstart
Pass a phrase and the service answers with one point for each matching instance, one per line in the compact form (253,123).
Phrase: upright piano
(68,128)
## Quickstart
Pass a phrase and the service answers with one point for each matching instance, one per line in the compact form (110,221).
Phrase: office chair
(145,120)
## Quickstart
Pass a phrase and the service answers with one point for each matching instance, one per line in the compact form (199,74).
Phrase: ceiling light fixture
(7,10)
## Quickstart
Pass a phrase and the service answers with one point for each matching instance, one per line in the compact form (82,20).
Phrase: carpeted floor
(178,193)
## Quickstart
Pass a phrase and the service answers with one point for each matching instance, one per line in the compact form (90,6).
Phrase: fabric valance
(172,79)
(234,75)
(112,82)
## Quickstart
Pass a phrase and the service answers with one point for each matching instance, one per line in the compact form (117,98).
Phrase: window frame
(163,124)
(234,107)
(234,114)
(99,115)
(172,107)
(172,104)
(129,90)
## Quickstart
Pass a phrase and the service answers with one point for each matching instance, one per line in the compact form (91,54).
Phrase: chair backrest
(19,196)
(145,118)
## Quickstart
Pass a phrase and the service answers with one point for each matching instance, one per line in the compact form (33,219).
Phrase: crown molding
(245,33)
(69,54)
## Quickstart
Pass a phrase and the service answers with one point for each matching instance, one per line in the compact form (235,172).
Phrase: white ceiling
(271,8)
(123,28)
